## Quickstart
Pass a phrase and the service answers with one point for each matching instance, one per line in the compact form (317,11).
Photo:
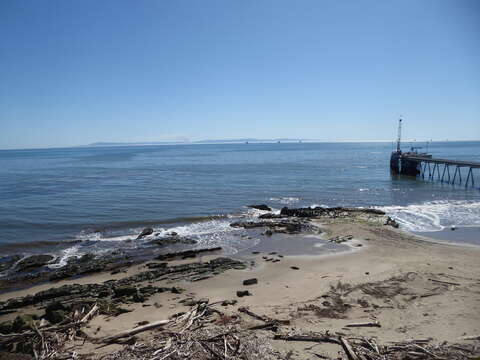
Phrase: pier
(449,171)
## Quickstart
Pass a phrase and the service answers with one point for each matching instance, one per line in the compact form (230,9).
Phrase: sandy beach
(396,286)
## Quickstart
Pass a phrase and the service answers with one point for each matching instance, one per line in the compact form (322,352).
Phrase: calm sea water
(101,197)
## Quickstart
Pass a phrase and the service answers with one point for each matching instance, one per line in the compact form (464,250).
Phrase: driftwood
(136,330)
(366,324)
(263,318)
(310,338)
(474,337)
(444,282)
(348,349)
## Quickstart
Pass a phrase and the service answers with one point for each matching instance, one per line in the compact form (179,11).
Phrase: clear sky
(77,72)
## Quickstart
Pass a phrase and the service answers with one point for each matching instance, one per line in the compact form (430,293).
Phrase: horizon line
(229,141)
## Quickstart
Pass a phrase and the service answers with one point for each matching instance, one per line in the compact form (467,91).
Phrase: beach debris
(444,282)
(472,337)
(145,232)
(262,207)
(294,268)
(242,293)
(348,349)
(365,324)
(270,322)
(136,330)
(252,281)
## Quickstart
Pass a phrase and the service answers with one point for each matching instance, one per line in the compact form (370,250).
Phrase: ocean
(72,201)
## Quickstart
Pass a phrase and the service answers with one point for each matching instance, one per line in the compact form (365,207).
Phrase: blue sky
(77,72)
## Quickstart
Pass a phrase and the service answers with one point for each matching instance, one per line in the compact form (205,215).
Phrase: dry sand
(414,288)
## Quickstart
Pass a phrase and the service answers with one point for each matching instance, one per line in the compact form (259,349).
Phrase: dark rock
(242,293)
(341,239)
(122,290)
(391,222)
(55,316)
(250,281)
(229,302)
(294,268)
(6,327)
(173,240)
(23,322)
(186,254)
(330,212)
(126,290)
(290,226)
(89,263)
(260,207)
(255,252)
(156,265)
(14,356)
(271,216)
(34,261)
(145,232)
(268,232)
(6,262)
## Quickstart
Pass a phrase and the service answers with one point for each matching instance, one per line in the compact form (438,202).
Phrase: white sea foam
(285,200)
(64,256)
(436,215)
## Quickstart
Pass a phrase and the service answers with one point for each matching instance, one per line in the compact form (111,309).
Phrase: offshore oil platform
(414,163)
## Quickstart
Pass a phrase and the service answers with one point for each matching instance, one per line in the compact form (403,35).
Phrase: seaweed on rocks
(328,211)
(173,239)
(288,226)
(185,254)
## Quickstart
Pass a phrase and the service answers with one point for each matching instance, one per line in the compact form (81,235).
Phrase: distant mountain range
(207,141)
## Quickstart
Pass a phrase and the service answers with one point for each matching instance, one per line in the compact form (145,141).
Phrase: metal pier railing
(432,169)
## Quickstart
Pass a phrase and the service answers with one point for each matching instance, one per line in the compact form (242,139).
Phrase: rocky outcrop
(391,222)
(7,262)
(262,207)
(33,262)
(119,290)
(331,212)
(173,239)
(88,264)
(145,232)
(285,226)
(186,254)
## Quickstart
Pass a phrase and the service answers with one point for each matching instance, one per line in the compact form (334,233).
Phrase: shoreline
(412,287)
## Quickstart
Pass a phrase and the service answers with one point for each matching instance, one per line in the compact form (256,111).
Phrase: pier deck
(420,164)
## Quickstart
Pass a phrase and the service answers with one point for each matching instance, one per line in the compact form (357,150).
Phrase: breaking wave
(436,215)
